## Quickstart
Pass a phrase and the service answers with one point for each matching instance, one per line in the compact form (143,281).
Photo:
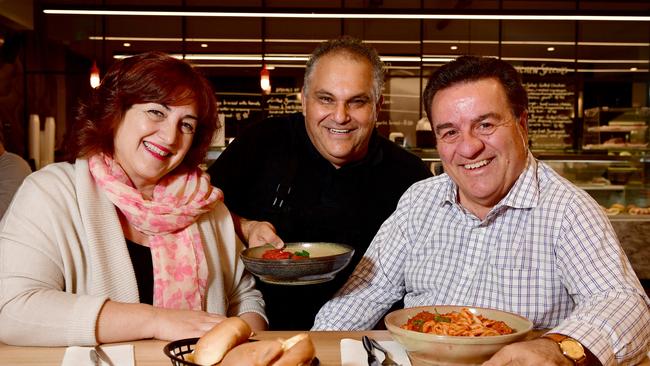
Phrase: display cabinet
(618,182)
(616,129)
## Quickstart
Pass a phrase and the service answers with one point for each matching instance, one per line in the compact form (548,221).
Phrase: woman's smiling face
(152,140)
(482,145)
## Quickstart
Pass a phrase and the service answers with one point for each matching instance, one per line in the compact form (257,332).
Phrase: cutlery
(99,352)
(388,360)
(367,344)
(94,358)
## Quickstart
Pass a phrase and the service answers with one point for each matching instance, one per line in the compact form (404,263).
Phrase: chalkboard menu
(236,110)
(284,101)
(550,103)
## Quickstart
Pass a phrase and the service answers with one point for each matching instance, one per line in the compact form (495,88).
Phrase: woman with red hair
(127,240)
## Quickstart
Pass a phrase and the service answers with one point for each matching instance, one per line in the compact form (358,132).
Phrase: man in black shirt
(323,175)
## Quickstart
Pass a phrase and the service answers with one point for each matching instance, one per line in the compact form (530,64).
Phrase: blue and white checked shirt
(546,252)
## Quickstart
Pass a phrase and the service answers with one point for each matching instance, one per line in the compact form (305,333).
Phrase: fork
(388,361)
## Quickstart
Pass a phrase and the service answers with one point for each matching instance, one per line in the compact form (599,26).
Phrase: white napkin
(121,355)
(353,353)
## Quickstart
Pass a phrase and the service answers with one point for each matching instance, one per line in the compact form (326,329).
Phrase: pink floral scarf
(169,218)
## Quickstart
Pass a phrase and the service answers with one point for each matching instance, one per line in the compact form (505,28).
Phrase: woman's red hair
(152,77)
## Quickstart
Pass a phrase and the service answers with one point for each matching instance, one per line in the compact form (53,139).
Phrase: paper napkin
(353,353)
(121,355)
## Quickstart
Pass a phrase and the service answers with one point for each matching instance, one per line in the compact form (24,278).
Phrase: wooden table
(149,352)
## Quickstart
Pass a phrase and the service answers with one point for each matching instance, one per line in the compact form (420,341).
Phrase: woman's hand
(121,322)
(170,324)
(256,233)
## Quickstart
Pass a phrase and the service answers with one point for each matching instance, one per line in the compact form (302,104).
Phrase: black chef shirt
(272,172)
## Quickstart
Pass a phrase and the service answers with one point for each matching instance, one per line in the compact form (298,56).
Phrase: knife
(103,356)
(372,359)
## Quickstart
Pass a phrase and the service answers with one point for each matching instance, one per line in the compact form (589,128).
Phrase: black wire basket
(178,351)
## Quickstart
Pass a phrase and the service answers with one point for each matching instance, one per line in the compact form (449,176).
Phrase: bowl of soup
(299,263)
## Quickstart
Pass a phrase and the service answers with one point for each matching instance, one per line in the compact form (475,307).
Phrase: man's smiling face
(482,145)
(339,107)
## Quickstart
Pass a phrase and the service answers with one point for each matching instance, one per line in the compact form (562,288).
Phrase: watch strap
(559,338)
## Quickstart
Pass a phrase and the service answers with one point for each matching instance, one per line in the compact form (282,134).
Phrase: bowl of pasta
(445,335)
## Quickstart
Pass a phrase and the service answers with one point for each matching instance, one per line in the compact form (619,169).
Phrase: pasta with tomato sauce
(463,323)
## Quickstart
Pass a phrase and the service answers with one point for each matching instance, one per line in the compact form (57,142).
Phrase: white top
(63,254)
(13,169)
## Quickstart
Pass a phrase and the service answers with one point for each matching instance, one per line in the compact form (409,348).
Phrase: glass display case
(618,181)
(610,129)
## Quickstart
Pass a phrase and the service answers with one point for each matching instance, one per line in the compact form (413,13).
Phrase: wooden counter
(150,352)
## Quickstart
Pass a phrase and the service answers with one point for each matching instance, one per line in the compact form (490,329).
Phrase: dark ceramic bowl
(325,260)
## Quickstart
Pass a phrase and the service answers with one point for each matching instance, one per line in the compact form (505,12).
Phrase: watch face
(572,349)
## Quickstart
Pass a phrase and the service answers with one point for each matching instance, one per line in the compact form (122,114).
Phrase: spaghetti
(463,323)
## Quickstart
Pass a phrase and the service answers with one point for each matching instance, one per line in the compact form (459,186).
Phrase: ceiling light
(400,58)
(453,48)
(94,76)
(265,80)
(611,70)
(424,58)
(550,49)
(633,69)
(287,58)
(374,41)
(204,45)
(126,44)
(307,15)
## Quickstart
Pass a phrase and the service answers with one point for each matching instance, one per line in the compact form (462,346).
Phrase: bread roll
(298,350)
(295,351)
(260,353)
(213,345)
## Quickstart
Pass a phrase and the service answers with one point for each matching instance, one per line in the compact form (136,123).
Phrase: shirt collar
(525,192)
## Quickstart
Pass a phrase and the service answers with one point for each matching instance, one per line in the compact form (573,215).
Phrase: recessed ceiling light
(204,45)
(550,49)
(633,69)
(126,44)
(453,48)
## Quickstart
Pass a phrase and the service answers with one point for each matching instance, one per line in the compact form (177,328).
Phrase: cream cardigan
(63,254)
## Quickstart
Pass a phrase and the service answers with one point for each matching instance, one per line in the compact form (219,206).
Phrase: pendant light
(265,75)
(265,80)
(94,75)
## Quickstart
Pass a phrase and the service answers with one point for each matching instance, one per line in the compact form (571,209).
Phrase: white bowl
(439,350)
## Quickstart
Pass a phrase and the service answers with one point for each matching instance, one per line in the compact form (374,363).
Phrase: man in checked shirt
(500,229)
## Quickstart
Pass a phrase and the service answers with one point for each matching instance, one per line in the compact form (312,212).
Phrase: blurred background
(48,48)
(584,62)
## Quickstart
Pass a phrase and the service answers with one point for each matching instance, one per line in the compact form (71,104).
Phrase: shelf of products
(616,128)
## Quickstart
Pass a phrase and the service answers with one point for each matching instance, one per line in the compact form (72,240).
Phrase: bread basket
(177,351)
